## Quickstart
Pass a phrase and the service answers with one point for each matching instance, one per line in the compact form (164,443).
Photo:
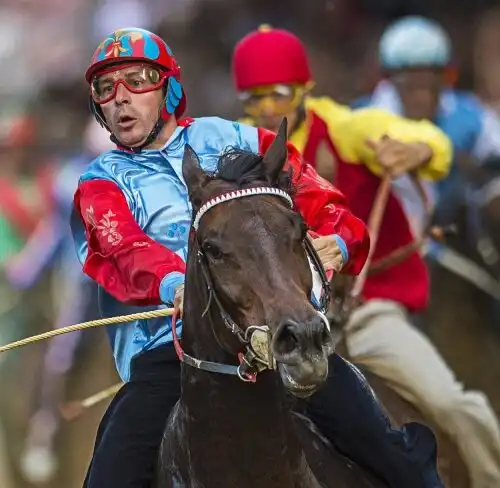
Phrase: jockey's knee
(454,405)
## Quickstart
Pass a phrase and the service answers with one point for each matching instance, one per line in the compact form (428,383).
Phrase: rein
(256,339)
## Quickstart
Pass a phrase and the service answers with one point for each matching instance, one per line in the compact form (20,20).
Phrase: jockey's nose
(122,94)
(292,341)
(268,110)
(267,107)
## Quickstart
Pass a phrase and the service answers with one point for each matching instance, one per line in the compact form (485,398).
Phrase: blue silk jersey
(157,196)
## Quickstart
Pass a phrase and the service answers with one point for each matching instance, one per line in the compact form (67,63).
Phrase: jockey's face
(419,90)
(269,104)
(131,114)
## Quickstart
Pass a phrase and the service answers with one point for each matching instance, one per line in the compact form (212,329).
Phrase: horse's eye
(212,250)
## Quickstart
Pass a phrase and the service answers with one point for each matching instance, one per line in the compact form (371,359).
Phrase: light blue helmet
(414,42)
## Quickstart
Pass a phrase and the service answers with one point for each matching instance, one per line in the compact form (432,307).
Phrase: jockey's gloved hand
(172,290)
(332,251)
(397,157)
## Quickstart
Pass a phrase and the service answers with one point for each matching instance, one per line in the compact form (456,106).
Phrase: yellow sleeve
(371,123)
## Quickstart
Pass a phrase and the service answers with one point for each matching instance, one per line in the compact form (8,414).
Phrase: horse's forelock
(243,167)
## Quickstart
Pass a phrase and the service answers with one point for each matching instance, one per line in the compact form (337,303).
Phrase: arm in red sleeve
(121,257)
(323,207)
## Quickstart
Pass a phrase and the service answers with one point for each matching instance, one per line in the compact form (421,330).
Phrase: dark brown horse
(248,264)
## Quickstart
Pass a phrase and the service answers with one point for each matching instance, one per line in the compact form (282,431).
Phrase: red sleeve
(121,257)
(323,207)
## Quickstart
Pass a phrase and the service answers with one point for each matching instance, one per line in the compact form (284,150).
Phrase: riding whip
(72,410)
(374,223)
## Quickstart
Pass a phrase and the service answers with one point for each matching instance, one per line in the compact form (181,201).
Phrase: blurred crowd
(47,136)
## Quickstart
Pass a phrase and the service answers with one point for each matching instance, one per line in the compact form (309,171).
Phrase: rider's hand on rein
(329,252)
(398,158)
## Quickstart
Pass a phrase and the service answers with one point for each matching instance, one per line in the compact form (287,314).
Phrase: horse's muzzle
(301,351)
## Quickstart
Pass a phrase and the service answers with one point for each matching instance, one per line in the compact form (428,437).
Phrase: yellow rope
(87,325)
(101,396)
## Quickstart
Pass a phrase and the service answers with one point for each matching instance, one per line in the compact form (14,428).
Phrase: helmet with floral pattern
(134,45)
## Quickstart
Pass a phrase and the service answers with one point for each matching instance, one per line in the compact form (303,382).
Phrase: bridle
(255,339)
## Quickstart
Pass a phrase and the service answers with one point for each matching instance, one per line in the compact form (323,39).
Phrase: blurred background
(47,137)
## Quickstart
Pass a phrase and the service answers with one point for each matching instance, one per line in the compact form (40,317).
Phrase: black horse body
(224,433)
(227,433)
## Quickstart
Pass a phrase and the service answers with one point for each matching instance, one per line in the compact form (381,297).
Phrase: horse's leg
(381,339)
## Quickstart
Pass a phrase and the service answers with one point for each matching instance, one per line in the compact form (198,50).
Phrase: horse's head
(250,246)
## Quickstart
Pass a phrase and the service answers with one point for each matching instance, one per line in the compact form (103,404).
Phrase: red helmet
(270,56)
(134,44)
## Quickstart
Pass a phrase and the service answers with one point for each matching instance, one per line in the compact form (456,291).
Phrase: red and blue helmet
(133,44)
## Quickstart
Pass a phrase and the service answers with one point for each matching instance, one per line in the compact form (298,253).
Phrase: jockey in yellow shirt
(353,149)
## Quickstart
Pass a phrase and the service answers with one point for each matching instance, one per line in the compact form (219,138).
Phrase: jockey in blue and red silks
(131,222)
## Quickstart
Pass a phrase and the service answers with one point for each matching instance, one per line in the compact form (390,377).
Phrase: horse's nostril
(286,340)
(292,339)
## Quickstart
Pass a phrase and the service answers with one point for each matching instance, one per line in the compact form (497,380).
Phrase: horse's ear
(194,176)
(277,153)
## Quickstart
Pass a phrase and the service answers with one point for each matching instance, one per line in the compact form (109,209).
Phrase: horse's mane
(243,167)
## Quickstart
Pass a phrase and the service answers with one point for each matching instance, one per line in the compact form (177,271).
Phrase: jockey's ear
(194,176)
(277,153)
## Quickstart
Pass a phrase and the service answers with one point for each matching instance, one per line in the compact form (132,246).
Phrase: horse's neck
(238,434)
(248,427)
